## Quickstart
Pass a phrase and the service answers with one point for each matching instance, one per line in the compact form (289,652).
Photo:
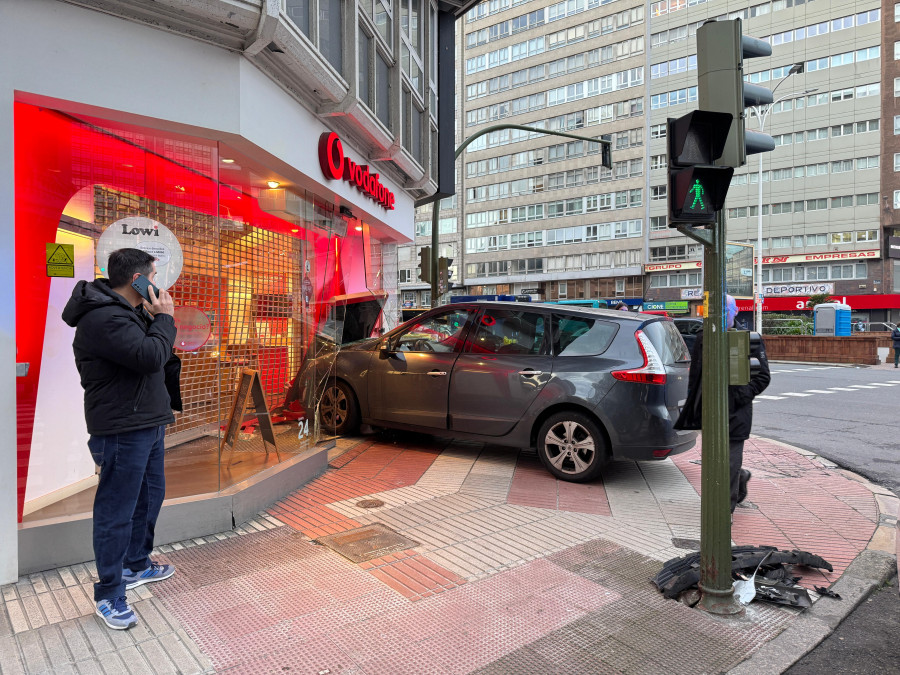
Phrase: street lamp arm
(520,127)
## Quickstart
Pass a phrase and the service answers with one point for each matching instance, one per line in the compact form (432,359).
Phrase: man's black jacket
(740,396)
(125,360)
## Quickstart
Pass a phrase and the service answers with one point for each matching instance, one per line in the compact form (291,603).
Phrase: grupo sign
(336,166)
(797,289)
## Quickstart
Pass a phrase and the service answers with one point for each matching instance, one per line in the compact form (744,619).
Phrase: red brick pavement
(799,504)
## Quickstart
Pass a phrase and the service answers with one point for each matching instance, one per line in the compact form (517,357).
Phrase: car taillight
(652,372)
(662,454)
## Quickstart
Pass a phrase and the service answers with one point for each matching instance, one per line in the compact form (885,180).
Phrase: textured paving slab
(516,572)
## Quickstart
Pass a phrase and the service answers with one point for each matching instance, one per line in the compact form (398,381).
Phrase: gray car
(582,385)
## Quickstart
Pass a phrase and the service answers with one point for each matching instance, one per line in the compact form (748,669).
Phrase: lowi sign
(336,167)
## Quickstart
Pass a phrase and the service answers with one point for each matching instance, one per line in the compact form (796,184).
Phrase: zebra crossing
(830,390)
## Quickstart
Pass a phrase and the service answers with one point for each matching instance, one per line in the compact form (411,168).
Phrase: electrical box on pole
(697,187)
(721,51)
(425,264)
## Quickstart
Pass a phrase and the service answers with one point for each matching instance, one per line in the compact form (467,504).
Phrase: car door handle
(531,372)
(436,373)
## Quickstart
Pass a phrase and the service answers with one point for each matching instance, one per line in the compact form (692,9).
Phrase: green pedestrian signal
(697,187)
(697,191)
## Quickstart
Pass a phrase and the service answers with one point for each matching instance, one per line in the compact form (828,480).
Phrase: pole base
(720,602)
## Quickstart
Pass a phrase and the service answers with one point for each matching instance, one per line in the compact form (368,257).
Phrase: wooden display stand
(249,386)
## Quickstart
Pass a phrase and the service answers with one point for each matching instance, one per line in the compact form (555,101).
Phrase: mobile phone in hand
(141,284)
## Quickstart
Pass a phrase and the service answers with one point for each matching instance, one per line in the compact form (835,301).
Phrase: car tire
(338,410)
(572,447)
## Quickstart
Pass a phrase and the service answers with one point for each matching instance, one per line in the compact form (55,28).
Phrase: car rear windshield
(668,342)
(581,336)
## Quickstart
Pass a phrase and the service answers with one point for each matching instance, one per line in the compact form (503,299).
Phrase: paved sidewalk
(508,571)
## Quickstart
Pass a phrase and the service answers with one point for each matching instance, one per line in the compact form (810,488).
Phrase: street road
(846,414)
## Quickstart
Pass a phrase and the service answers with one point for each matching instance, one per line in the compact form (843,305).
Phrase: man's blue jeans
(129,496)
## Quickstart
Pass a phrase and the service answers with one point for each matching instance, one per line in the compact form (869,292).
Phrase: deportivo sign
(336,166)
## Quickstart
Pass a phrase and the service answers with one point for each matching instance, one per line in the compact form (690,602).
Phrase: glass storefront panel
(268,281)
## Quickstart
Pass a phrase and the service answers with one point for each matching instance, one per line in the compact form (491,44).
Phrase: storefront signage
(192,328)
(774,260)
(665,267)
(791,303)
(60,260)
(893,247)
(691,293)
(817,257)
(147,235)
(336,167)
(797,289)
(654,306)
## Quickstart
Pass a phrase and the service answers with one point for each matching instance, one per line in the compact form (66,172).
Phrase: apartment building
(821,203)
(538,214)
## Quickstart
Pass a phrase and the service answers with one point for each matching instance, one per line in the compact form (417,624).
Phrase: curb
(871,569)
(823,363)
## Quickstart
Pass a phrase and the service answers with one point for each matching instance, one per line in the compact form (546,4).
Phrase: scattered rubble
(768,568)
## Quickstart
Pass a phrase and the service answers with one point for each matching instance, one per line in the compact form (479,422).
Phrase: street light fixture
(762,113)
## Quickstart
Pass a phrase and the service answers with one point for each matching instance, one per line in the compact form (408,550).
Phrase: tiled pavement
(512,572)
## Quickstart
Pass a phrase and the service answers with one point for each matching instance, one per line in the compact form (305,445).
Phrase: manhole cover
(370,504)
(686,544)
(367,543)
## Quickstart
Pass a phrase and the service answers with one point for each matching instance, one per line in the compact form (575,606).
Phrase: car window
(507,331)
(689,327)
(667,341)
(582,336)
(440,333)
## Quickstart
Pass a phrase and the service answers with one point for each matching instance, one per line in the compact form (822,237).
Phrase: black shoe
(742,485)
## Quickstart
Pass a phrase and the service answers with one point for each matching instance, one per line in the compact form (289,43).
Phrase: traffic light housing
(425,264)
(697,187)
(721,50)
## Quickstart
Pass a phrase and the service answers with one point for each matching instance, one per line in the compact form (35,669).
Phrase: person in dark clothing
(740,407)
(123,352)
(895,336)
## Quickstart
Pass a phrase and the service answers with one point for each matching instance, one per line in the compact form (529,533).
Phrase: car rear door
(505,365)
(409,384)
(675,357)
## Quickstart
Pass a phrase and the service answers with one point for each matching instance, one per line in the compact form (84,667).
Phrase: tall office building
(538,214)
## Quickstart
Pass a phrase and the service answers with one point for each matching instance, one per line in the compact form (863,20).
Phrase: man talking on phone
(123,352)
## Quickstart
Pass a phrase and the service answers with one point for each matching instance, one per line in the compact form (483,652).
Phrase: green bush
(786,324)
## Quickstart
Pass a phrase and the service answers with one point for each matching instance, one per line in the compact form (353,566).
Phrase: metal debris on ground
(772,580)
(827,592)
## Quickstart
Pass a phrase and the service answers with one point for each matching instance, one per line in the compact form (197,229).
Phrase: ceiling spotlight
(295,230)
(358,228)
(273,184)
(227,160)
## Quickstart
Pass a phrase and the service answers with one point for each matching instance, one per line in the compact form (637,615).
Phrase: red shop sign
(336,166)
(793,303)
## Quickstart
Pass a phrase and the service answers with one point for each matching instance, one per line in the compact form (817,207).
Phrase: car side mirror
(388,350)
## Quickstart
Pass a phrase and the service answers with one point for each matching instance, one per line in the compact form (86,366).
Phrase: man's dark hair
(125,262)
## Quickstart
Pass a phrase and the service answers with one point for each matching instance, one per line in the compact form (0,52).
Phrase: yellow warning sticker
(60,260)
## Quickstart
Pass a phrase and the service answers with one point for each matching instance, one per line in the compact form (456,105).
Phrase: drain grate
(367,543)
(370,504)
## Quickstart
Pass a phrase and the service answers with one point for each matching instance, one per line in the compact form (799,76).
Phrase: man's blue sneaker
(156,572)
(116,614)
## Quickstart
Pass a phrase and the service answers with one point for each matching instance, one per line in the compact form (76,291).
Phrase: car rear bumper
(676,442)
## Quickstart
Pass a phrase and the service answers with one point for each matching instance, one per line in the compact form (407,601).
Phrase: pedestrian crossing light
(697,187)
(425,264)
(721,50)
(444,273)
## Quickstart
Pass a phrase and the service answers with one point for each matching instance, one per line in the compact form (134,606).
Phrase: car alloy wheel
(571,447)
(338,412)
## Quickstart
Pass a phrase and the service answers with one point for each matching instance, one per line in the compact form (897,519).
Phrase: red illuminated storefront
(256,267)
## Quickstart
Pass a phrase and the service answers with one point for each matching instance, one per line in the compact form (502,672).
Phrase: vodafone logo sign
(336,167)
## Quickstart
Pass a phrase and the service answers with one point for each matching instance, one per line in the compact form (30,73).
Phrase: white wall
(52,52)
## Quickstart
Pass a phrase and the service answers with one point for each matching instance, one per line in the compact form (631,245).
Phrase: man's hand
(160,305)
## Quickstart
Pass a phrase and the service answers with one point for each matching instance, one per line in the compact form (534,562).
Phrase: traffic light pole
(606,160)
(717,592)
